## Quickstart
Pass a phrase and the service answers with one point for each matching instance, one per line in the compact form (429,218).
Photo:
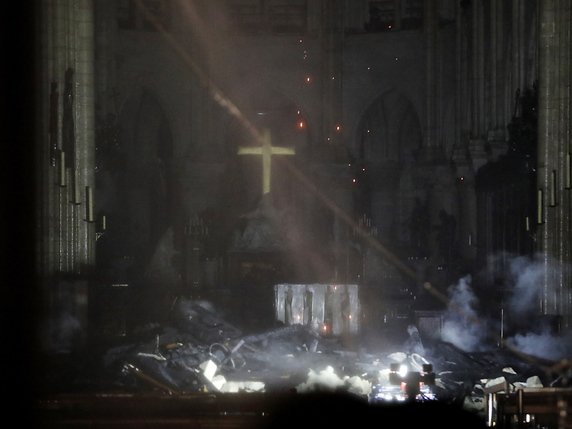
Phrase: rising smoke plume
(461,325)
(524,282)
(529,331)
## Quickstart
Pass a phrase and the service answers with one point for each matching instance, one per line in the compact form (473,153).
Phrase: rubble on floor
(201,352)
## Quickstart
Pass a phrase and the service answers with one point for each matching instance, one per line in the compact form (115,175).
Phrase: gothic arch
(388,138)
(389,129)
(141,210)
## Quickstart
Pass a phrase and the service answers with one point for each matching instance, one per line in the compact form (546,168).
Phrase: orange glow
(338,128)
(308,79)
(301,124)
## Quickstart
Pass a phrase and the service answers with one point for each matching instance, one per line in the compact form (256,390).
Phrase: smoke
(524,282)
(62,326)
(61,332)
(327,380)
(534,334)
(161,269)
(527,329)
(461,325)
(543,344)
(324,380)
(64,332)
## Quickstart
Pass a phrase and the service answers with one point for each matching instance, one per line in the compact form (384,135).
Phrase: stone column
(480,69)
(515,39)
(553,144)
(47,170)
(331,78)
(493,60)
(105,29)
(463,104)
(566,170)
(495,123)
(563,195)
(85,128)
(65,239)
(64,245)
(430,29)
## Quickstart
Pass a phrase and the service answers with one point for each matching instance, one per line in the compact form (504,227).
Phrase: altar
(331,309)
(264,259)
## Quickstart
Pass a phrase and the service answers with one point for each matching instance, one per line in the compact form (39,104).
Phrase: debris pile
(199,351)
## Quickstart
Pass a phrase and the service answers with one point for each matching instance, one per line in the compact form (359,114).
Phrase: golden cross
(266,150)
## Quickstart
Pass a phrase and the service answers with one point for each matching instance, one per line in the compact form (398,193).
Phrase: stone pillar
(105,65)
(463,105)
(494,128)
(495,121)
(65,240)
(85,129)
(480,70)
(356,16)
(564,163)
(553,143)
(515,41)
(493,59)
(332,72)
(430,29)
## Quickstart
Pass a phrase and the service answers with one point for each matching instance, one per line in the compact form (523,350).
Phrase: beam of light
(372,241)
(435,292)
(234,111)
(217,94)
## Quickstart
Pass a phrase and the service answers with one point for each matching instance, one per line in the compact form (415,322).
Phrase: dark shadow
(324,409)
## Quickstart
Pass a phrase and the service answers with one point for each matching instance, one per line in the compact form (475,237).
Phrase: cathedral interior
(239,205)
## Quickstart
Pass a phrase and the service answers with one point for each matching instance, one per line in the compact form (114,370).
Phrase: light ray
(234,111)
